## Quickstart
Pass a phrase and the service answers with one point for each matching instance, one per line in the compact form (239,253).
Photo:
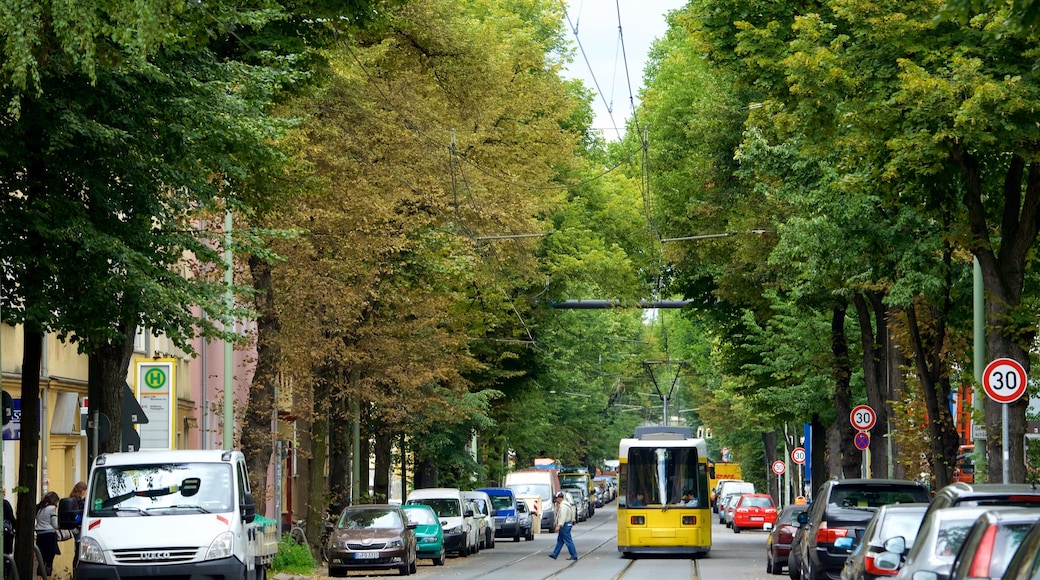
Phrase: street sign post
(779,468)
(1004,381)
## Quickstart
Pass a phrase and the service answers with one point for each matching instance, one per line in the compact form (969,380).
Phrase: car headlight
(90,551)
(455,530)
(395,543)
(221,547)
(510,520)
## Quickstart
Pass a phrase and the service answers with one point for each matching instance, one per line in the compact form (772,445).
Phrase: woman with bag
(47,530)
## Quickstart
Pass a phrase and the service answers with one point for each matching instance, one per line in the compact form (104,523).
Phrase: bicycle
(297,534)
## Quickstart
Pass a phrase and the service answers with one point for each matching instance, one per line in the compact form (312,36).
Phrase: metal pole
(1005,452)
(229,410)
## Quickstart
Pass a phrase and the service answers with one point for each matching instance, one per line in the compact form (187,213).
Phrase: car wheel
(405,570)
(439,560)
(516,538)
(769,564)
(492,541)
(337,573)
(736,530)
(415,564)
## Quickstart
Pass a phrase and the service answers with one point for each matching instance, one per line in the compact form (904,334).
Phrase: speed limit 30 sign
(863,417)
(1004,380)
(779,468)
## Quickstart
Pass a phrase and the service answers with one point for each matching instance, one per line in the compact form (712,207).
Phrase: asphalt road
(732,557)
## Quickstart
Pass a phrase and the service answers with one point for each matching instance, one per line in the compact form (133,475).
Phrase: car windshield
(951,536)
(445,508)
(421,516)
(874,496)
(362,519)
(167,488)
(759,502)
(501,502)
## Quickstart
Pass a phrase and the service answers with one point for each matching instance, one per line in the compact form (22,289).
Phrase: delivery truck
(170,513)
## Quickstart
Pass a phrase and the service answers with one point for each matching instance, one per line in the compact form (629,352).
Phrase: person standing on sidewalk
(565,515)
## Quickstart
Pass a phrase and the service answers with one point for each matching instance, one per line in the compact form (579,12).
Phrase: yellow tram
(663,495)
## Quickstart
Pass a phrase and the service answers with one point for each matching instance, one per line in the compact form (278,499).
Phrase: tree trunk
(384,445)
(897,390)
(107,369)
(769,442)
(873,330)
(340,444)
(318,457)
(850,460)
(1010,332)
(261,408)
(818,469)
(29,450)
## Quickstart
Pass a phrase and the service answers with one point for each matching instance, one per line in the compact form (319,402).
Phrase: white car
(483,512)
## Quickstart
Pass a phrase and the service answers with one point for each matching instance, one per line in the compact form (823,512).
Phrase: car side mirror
(494,512)
(888,561)
(412,525)
(895,544)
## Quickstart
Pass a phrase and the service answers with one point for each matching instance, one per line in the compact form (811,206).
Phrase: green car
(429,537)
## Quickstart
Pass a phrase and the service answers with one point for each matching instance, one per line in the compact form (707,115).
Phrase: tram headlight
(637,520)
(689,520)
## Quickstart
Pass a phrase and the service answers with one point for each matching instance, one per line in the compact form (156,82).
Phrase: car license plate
(756,518)
(366,555)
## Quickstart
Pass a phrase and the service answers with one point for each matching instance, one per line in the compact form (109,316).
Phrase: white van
(728,486)
(170,514)
(455,514)
(539,482)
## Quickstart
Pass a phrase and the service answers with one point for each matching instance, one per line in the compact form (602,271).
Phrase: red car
(754,511)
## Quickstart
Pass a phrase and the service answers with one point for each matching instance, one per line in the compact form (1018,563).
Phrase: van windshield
(167,488)
(445,508)
(542,490)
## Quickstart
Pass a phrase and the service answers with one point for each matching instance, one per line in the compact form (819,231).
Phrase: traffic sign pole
(1004,381)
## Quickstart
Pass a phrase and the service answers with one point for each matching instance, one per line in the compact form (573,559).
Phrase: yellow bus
(663,493)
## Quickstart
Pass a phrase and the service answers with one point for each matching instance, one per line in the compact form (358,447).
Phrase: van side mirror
(468,513)
(70,513)
(248,507)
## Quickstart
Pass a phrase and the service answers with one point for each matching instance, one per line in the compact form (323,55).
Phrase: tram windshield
(665,476)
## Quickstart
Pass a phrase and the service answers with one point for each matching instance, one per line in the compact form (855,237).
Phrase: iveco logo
(155,555)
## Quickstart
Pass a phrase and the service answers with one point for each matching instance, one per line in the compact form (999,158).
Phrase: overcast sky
(597,23)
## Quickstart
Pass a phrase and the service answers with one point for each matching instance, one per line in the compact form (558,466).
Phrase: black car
(839,513)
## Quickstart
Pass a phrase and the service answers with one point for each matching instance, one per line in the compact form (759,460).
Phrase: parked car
(484,512)
(890,521)
(753,511)
(429,537)
(579,498)
(504,502)
(524,516)
(986,494)
(728,507)
(1025,564)
(778,544)
(991,543)
(932,550)
(372,537)
(840,511)
(455,514)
